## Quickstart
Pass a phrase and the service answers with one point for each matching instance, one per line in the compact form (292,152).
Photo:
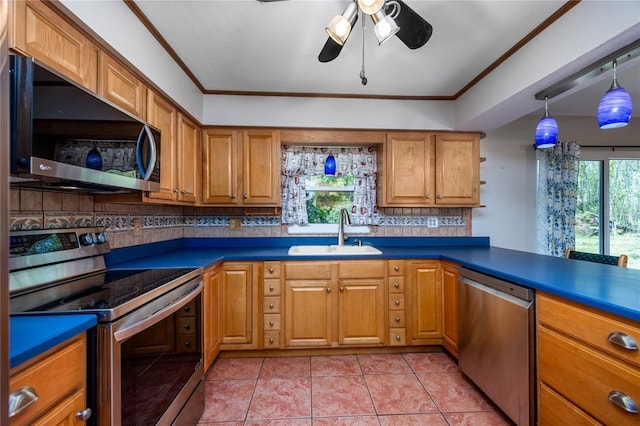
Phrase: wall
(33,209)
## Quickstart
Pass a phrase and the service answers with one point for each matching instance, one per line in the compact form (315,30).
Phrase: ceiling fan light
(370,7)
(385,27)
(340,26)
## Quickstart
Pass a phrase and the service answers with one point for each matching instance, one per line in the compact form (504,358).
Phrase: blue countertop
(611,289)
(34,334)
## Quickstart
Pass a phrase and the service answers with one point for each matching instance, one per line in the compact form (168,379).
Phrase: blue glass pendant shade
(615,108)
(330,165)
(94,159)
(546,134)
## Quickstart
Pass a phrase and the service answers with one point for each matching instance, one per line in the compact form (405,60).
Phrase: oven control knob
(86,239)
(101,238)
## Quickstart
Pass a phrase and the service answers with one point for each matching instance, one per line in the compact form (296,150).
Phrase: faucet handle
(357,242)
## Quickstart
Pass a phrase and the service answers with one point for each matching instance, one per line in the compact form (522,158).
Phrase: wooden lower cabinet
(239,282)
(424,296)
(59,380)
(334,303)
(211,315)
(450,307)
(584,377)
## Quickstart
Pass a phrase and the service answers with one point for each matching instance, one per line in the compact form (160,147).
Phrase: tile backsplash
(33,209)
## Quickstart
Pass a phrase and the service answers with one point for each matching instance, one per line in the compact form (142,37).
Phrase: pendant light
(615,106)
(330,165)
(547,129)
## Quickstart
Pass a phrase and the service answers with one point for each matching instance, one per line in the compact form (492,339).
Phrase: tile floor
(389,389)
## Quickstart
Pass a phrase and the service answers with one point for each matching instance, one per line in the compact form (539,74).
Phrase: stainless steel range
(147,363)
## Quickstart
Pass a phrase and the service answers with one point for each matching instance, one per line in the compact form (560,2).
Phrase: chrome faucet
(344,218)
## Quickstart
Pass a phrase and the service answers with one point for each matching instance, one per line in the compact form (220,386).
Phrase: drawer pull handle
(271,340)
(271,270)
(396,268)
(397,285)
(187,326)
(398,338)
(21,399)
(623,340)
(270,305)
(271,323)
(397,319)
(270,288)
(398,302)
(623,401)
(84,414)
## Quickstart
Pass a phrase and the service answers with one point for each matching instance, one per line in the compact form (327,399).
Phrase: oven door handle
(158,315)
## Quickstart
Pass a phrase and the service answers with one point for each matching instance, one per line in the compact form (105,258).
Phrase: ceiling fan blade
(414,30)
(329,51)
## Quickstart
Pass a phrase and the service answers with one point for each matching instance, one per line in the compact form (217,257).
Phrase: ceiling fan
(391,17)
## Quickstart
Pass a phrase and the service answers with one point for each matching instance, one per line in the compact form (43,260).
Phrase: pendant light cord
(363,77)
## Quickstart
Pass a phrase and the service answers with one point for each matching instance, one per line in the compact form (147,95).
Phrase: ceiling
(247,46)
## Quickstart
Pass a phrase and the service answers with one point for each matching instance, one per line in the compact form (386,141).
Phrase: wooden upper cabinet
(120,86)
(189,160)
(163,115)
(241,168)
(457,169)
(39,32)
(408,169)
(425,169)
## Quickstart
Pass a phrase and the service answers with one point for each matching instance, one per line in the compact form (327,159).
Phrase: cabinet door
(261,169)
(162,114)
(39,32)
(220,169)
(408,169)
(239,300)
(361,319)
(188,159)
(457,169)
(308,313)
(66,412)
(119,85)
(425,294)
(211,315)
(450,307)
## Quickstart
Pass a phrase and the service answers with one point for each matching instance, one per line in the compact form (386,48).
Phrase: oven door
(150,361)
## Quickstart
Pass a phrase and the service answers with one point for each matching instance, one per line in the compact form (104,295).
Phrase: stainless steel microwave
(63,136)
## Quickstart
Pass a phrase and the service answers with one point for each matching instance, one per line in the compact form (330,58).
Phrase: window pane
(324,207)
(624,208)
(588,212)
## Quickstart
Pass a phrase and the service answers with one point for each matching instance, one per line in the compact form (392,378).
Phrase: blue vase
(94,159)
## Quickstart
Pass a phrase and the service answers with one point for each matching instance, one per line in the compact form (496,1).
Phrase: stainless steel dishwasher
(496,342)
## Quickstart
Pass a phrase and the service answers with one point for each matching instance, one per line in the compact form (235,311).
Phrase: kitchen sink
(332,250)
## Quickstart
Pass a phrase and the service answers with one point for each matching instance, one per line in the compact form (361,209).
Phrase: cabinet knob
(428,197)
(175,191)
(341,288)
(271,270)
(270,288)
(187,343)
(623,401)
(183,192)
(271,323)
(396,268)
(623,340)
(271,340)
(233,196)
(187,327)
(328,289)
(186,309)
(398,338)
(245,196)
(270,305)
(397,302)
(397,319)
(84,415)
(439,197)
(397,285)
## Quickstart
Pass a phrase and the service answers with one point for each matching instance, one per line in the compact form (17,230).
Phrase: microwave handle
(146,173)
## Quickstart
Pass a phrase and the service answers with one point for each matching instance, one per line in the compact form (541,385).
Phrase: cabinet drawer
(187,310)
(396,301)
(586,377)
(271,339)
(272,287)
(362,269)
(395,267)
(271,305)
(187,343)
(186,325)
(52,378)
(396,319)
(307,270)
(397,337)
(396,284)
(588,326)
(555,410)
(272,270)
(272,322)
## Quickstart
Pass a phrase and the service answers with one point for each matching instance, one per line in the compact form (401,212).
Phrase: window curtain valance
(301,161)
(558,169)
